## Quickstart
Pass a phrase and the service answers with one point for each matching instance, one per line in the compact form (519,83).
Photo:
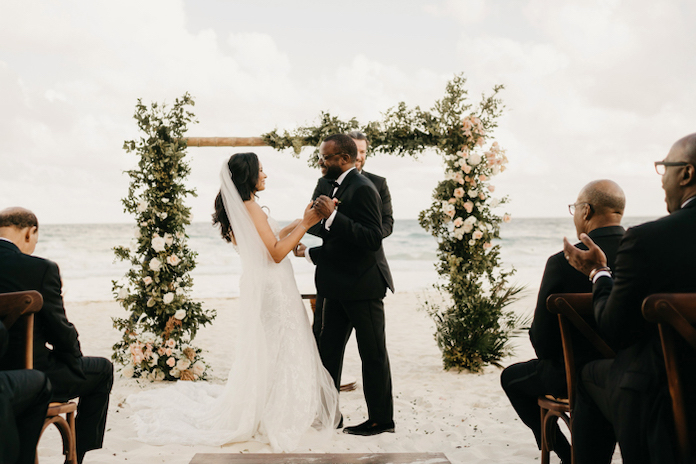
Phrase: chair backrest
(15,305)
(675,313)
(575,309)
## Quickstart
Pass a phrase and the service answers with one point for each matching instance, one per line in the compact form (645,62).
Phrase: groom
(349,277)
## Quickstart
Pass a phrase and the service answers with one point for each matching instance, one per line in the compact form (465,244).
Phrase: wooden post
(226,142)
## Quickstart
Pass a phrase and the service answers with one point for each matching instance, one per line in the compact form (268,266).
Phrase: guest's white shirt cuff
(307,257)
(330,220)
(600,274)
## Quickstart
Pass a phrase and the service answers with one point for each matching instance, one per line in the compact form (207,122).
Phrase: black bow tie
(335,184)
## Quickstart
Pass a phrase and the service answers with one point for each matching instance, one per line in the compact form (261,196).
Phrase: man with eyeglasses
(626,399)
(597,212)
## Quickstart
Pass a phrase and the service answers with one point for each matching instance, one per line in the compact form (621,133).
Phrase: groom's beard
(333,172)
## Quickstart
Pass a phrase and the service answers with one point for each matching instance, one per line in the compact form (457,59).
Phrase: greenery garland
(473,329)
(163,320)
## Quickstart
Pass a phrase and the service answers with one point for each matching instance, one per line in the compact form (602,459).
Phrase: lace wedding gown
(277,389)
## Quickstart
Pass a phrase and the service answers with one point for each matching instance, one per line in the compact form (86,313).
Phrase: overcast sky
(594,89)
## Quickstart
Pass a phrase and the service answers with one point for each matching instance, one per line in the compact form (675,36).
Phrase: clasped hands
(322,207)
(584,261)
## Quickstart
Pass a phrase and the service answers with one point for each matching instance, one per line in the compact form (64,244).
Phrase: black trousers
(522,385)
(318,322)
(93,393)
(367,317)
(24,398)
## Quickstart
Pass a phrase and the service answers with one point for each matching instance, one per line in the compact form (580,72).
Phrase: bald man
(626,399)
(597,212)
(71,374)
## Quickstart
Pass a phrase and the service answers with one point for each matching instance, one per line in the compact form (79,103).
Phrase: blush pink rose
(171,362)
(491,188)
(469,206)
(477,234)
(459,192)
(168,351)
(458,222)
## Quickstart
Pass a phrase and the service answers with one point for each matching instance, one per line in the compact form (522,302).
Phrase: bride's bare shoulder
(255,210)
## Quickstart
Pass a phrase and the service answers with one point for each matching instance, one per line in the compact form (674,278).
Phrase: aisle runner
(343,458)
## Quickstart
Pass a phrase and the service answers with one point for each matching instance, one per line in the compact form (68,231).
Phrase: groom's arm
(364,228)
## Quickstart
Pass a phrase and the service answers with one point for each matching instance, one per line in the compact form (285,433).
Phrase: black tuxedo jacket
(347,261)
(561,277)
(19,272)
(655,257)
(324,187)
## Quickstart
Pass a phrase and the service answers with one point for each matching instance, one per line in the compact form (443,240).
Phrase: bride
(277,388)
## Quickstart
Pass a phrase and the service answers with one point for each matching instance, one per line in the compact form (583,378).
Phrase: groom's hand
(299,250)
(324,206)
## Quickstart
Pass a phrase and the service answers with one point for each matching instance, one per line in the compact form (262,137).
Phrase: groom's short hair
(344,144)
(17,217)
(357,135)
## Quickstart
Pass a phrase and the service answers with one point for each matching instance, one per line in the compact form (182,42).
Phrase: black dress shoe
(369,427)
(340,423)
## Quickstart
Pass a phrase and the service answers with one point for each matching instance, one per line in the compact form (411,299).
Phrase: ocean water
(83,252)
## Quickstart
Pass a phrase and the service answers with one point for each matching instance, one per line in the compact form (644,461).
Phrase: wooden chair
(22,306)
(675,314)
(573,309)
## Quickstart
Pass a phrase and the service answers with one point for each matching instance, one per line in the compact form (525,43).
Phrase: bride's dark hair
(244,168)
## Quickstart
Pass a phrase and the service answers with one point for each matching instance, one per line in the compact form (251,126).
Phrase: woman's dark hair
(244,168)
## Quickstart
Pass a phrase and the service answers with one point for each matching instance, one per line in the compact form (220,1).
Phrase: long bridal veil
(277,389)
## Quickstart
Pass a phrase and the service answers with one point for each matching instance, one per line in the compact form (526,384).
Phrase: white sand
(466,416)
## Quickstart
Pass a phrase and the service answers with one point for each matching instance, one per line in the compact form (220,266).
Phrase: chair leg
(67,434)
(545,450)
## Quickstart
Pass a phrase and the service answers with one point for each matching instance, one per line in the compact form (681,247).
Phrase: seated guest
(71,374)
(625,399)
(24,398)
(597,212)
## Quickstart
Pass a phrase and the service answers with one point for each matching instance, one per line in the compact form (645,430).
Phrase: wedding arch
(472,328)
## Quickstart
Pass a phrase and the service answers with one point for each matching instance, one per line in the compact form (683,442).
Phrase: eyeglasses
(323,158)
(661,166)
(572,206)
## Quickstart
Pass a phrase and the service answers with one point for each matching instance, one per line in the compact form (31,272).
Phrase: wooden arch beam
(226,142)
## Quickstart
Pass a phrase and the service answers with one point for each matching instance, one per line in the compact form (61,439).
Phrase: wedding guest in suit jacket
(24,398)
(350,278)
(626,399)
(71,374)
(324,187)
(597,212)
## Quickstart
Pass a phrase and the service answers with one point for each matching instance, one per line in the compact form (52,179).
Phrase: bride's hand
(311,215)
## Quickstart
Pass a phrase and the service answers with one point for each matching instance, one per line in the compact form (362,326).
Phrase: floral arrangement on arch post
(163,321)
(472,330)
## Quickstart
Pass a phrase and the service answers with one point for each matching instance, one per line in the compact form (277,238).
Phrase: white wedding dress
(277,390)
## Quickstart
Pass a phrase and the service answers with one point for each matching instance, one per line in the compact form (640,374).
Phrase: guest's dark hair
(344,144)
(357,135)
(19,218)
(244,169)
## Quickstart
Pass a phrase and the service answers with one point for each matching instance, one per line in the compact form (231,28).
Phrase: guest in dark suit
(71,374)
(349,276)
(626,399)
(597,212)
(24,398)
(324,187)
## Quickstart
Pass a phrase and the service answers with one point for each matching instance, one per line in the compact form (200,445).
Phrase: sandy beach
(464,415)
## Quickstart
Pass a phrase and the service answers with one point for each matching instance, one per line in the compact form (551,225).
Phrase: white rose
(495,170)
(142,206)
(158,244)
(472,193)
(183,364)
(472,242)
(198,368)
(180,291)
(123,293)
(155,264)
(162,216)
(180,313)
(466,228)
(147,280)
(474,159)
(176,373)
(173,260)
(128,372)
(168,297)
(165,200)
(495,202)
(470,220)
(168,239)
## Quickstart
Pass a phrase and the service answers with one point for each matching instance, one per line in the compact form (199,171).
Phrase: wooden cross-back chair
(573,310)
(675,314)
(20,307)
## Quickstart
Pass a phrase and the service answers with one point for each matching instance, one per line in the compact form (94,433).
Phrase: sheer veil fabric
(277,389)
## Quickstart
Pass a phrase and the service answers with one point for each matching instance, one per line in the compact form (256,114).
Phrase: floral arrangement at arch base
(473,329)
(163,320)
